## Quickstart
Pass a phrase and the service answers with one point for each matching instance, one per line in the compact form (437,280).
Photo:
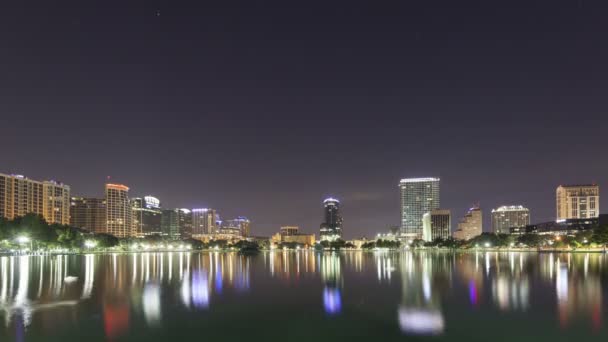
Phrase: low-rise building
(560,227)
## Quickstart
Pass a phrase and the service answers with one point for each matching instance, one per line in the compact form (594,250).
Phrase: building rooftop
(509,208)
(576,185)
(418,180)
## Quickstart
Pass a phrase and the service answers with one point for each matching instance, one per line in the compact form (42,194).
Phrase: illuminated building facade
(418,197)
(176,223)
(119,211)
(289,230)
(20,196)
(331,228)
(302,239)
(470,226)
(204,222)
(506,217)
(88,213)
(241,223)
(291,234)
(577,201)
(436,224)
(147,215)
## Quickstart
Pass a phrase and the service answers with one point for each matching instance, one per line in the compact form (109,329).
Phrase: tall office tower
(204,222)
(119,211)
(147,216)
(175,223)
(471,225)
(578,201)
(418,197)
(241,223)
(185,223)
(20,196)
(506,217)
(89,214)
(331,228)
(436,224)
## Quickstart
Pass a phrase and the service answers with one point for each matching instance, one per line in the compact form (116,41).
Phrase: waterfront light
(487,244)
(23,239)
(90,243)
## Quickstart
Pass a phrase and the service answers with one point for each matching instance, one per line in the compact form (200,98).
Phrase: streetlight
(22,240)
(90,243)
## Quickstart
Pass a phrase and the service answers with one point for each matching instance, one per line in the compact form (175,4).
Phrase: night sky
(263,109)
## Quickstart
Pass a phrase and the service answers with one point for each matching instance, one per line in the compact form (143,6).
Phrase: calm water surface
(304,296)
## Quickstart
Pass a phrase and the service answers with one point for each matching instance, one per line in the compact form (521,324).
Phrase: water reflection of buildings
(331,274)
(52,287)
(578,287)
(510,284)
(290,265)
(424,276)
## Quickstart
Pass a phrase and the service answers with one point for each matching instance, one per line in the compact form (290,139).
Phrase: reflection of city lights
(200,289)
(561,282)
(151,304)
(332,302)
(116,319)
(473,296)
(421,321)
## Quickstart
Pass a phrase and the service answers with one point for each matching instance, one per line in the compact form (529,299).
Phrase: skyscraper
(418,197)
(204,221)
(331,228)
(577,201)
(118,211)
(147,215)
(176,223)
(471,225)
(506,217)
(89,214)
(20,196)
(436,224)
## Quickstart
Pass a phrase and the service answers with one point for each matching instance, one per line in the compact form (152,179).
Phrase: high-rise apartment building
(204,221)
(147,214)
(20,196)
(506,217)
(418,197)
(119,211)
(436,224)
(331,228)
(471,225)
(89,214)
(577,201)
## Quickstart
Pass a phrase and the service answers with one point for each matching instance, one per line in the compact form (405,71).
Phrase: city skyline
(135,203)
(264,112)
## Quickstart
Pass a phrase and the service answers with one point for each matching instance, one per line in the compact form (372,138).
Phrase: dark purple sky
(263,109)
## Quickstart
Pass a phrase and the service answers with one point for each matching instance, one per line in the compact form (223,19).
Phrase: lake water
(304,296)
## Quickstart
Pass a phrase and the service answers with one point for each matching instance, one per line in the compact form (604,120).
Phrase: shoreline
(443,250)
